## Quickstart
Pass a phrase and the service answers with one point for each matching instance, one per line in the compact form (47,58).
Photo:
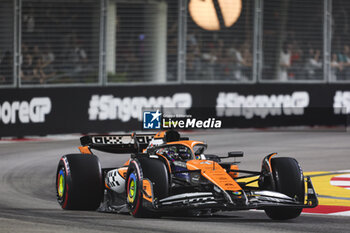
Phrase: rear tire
(289,180)
(79,183)
(140,168)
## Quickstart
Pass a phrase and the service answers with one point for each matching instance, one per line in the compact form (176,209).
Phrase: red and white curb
(342,181)
(339,186)
(329,210)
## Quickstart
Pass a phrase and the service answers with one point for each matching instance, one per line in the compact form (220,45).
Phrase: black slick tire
(79,184)
(152,169)
(289,180)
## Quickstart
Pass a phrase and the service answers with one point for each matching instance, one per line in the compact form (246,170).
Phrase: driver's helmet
(178,153)
(171,153)
(184,153)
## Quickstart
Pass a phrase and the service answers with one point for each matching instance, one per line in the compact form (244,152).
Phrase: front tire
(79,183)
(153,169)
(289,180)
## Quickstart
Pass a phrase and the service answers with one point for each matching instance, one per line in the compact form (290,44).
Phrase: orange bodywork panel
(127,163)
(146,185)
(85,150)
(270,160)
(215,173)
(122,171)
(187,143)
(160,134)
(234,174)
(167,161)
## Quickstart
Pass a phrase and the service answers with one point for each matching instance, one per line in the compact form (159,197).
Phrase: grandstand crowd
(60,44)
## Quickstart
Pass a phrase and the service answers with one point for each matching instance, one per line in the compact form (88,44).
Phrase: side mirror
(235,154)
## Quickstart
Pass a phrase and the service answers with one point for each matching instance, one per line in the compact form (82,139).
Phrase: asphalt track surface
(28,201)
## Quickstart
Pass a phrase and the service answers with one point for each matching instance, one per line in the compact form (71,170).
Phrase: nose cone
(213,172)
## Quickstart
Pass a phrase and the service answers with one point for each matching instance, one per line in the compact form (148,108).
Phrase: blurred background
(298,44)
(115,41)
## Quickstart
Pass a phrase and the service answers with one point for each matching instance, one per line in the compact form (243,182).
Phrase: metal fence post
(327,40)
(102,79)
(182,32)
(17,35)
(257,41)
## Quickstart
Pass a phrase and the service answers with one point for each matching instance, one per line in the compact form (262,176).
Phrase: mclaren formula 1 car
(167,173)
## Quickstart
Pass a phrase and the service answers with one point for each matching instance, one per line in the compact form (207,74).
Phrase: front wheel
(289,180)
(152,169)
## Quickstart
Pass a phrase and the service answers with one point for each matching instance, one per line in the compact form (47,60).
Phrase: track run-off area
(28,199)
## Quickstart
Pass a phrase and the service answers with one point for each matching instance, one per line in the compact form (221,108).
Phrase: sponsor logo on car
(206,162)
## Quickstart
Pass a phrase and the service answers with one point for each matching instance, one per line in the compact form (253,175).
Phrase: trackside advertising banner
(45,111)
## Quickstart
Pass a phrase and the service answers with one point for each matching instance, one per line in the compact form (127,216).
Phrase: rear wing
(119,143)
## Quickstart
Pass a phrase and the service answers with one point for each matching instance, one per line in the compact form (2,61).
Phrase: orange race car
(168,173)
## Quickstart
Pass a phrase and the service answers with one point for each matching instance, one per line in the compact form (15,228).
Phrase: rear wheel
(289,180)
(157,173)
(79,182)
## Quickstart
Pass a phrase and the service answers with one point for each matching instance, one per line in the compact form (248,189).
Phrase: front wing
(257,199)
